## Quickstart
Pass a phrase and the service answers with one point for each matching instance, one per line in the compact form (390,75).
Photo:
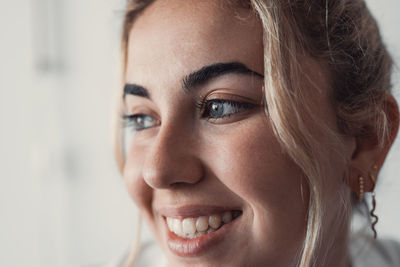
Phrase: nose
(171,159)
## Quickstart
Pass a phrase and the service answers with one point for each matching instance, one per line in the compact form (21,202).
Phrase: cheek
(254,165)
(137,188)
(257,170)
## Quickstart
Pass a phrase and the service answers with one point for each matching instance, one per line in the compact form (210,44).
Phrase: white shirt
(366,252)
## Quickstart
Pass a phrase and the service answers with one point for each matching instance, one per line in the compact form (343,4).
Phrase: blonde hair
(342,36)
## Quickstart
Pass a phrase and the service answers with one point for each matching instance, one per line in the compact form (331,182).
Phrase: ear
(368,156)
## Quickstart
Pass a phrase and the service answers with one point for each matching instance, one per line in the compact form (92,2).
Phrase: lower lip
(195,247)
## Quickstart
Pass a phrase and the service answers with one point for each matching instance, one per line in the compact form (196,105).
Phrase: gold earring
(373,215)
(373,178)
(361,183)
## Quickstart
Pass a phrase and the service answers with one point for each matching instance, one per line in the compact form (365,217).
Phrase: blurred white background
(62,201)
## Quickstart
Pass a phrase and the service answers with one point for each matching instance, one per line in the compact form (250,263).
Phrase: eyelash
(204,107)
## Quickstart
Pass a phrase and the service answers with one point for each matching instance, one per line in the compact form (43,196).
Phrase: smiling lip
(195,247)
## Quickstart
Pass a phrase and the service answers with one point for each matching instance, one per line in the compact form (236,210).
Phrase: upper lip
(192,210)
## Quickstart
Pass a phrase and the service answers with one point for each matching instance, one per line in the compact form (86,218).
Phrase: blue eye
(211,109)
(219,108)
(139,122)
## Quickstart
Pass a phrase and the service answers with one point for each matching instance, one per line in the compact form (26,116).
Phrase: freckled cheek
(270,185)
(257,170)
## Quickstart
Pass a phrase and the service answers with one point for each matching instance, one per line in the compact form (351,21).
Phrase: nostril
(169,177)
(179,184)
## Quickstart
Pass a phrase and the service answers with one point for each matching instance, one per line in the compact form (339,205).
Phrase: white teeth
(202,224)
(196,227)
(177,227)
(215,221)
(188,226)
(227,217)
(170,223)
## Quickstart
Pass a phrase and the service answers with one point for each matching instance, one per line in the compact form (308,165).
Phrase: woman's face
(203,165)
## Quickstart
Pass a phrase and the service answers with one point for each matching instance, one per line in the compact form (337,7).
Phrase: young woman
(254,127)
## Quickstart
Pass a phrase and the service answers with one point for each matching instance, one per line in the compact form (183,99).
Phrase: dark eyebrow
(134,89)
(197,78)
(205,74)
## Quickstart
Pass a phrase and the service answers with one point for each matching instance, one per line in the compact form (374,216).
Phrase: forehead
(174,37)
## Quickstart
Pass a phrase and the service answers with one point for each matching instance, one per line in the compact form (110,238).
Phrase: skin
(185,159)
